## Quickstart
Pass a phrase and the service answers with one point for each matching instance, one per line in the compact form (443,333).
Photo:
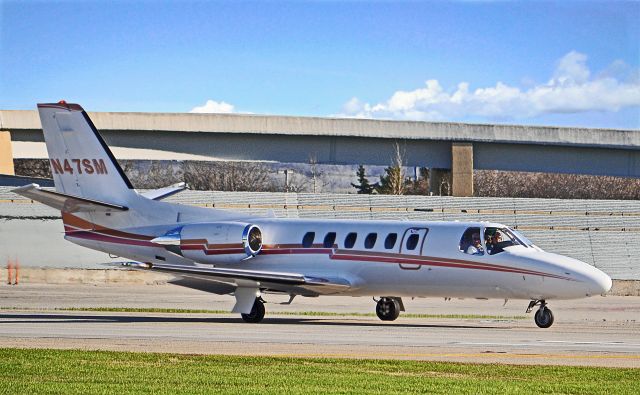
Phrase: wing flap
(65,202)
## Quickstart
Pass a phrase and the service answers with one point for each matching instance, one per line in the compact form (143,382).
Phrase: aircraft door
(411,245)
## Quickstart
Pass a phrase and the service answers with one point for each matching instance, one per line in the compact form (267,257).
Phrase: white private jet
(256,255)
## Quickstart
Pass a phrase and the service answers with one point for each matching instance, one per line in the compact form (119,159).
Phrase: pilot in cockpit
(476,247)
(493,242)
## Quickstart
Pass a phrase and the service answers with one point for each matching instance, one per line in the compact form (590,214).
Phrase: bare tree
(319,179)
(393,182)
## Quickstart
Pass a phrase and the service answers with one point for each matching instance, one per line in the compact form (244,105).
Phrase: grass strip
(273,313)
(40,371)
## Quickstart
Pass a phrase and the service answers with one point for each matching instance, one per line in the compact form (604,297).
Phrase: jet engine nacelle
(218,242)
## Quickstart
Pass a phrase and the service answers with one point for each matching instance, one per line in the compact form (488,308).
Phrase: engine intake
(252,240)
(216,243)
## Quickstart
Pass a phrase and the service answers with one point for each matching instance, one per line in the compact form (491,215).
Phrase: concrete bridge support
(6,154)
(462,168)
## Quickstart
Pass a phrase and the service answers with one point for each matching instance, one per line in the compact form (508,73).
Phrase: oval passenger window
(370,241)
(390,241)
(350,240)
(307,240)
(329,240)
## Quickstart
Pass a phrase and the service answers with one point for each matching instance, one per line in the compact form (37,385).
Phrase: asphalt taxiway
(601,331)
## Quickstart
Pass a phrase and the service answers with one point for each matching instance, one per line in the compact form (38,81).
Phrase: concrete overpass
(455,146)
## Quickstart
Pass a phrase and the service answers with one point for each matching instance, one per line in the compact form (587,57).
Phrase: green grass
(38,371)
(273,313)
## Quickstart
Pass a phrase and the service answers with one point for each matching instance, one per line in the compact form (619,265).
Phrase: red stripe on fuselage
(87,235)
(78,224)
(77,227)
(468,265)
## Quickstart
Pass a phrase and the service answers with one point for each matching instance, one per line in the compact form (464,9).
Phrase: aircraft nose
(599,282)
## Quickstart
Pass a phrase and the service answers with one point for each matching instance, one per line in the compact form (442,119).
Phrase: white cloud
(572,68)
(571,89)
(212,106)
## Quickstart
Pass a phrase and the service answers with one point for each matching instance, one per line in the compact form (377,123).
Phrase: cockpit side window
(497,239)
(470,243)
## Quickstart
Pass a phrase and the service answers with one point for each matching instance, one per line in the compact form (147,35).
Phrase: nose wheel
(388,309)
(543,317)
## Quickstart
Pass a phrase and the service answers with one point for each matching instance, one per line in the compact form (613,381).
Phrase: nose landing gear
(543,317)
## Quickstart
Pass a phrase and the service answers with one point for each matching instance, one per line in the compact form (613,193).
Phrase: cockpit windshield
(497,239)
(523,239)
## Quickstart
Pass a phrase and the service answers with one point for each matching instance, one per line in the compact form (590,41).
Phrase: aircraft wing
(65,202)
(277,281)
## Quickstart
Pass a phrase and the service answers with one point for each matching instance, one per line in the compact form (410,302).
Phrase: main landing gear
(388,309)
(544,316)
(257,312)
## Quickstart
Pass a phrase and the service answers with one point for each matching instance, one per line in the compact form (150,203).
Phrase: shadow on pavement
(8,319)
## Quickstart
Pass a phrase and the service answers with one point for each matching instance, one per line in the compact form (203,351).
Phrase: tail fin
(81,163)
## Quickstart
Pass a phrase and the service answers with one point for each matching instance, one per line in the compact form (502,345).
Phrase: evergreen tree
(363,186)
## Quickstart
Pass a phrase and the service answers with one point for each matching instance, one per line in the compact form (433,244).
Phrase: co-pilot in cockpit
(495,240)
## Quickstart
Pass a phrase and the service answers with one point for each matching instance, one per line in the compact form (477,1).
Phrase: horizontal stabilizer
(162,193)
(316,284)
(64,202)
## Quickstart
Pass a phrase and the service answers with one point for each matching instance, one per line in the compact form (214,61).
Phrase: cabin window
(307,240)
(497,239)
(350,240)
(470,243)
(412,242)
(329,240)
(370,241)
(390,241)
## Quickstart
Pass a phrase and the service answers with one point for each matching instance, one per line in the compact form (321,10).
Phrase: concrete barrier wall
(37,275)
(603,233)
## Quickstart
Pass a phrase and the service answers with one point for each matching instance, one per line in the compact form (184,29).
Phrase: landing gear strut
(257,312)
(388,309)
(543,317)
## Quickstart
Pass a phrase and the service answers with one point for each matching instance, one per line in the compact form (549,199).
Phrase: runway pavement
(602,331)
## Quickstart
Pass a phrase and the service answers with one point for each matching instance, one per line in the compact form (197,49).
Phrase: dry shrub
(32,168)
(152,174)
(228,176)
(554,185)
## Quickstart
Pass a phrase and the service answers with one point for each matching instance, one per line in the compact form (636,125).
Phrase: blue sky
(549,63)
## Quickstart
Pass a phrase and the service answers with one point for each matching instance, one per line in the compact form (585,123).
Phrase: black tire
(543,317)
(257,313)
(387,309)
